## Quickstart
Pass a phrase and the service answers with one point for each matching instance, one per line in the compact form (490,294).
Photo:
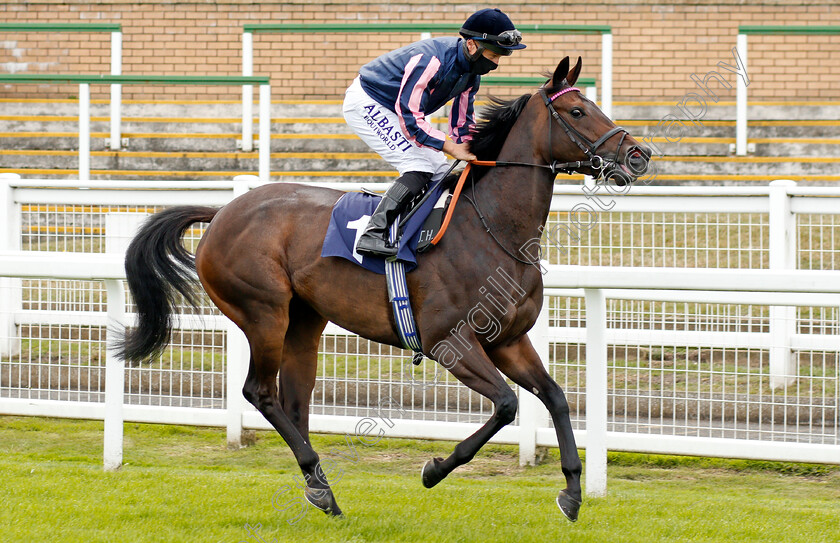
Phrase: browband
(562,92)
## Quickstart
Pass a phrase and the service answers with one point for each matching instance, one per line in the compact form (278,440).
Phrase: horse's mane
(490,133)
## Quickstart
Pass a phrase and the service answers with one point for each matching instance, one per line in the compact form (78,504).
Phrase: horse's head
(579,131)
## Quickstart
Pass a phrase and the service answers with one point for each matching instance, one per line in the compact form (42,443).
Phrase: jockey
(388,106)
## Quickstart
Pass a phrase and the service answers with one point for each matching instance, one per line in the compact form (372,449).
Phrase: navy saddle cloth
(349,218)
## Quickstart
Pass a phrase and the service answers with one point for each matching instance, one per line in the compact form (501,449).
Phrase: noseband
(589,148)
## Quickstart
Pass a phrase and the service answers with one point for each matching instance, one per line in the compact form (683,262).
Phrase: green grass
(182,484)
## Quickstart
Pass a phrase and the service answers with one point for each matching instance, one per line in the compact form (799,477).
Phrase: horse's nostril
(637,162)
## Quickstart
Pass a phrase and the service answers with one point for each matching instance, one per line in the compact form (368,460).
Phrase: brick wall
(657,45)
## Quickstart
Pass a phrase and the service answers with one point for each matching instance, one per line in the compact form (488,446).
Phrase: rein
(474,201)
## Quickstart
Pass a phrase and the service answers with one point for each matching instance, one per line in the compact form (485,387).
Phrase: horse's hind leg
(522,364)
(300,363)
(477,372)
(268,341)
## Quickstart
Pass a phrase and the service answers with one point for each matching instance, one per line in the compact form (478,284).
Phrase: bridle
(589,148)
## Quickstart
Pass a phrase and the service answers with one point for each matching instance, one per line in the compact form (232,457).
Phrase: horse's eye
(577,113)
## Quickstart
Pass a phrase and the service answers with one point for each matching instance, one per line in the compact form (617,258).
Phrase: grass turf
(182,484)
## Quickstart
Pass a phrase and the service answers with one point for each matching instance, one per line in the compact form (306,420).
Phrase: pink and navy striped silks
(416,80)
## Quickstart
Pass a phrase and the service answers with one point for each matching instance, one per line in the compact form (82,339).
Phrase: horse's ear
(560,73)
(574,73)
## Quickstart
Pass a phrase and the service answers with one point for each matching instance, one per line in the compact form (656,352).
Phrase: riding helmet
(494,30)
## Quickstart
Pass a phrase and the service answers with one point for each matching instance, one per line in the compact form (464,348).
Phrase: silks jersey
(416,80)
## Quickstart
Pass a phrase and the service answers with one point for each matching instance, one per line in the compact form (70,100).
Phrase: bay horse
(259,261)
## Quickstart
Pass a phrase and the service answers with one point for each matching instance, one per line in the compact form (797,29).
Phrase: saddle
(434,222)
(420,229)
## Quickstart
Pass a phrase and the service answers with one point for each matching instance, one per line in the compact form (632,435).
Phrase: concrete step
(349,143)
(726,129)
(778,166)
(202,139)
(712,141)
(757,111)
(325,143)
(317,163)
(129,160)
(377,179)
(332,108)
(335,124)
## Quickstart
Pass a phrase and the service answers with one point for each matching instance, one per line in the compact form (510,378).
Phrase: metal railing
(84,82)
(116,59)
(425,31)
(698,380)
(741,44)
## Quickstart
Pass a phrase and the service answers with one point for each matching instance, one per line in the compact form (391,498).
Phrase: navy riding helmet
(494,30)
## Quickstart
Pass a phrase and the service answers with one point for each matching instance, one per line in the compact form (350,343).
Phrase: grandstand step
(172,142)
(197,161)
(172,139)
(376,179)
(309,127)
(335,143)
(724,110)
(758,111)
(367,177)
(367,164)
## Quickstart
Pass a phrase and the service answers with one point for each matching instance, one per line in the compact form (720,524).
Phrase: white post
(782,246)
(606,73)
(10,288)
(116,91)
(242,184)
(114,380)
(596,393)
(265,133)
(741,101)
(532,412)
(238,357)
(84,132)
(247,92)
(120,229)
(238,354)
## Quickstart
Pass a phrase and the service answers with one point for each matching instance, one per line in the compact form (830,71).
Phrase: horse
(259,261)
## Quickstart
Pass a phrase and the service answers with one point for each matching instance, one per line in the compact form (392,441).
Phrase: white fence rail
(746,380)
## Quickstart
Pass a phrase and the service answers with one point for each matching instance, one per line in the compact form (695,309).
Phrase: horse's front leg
(522,364)
(475,370)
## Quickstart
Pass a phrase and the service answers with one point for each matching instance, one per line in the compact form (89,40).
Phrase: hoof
(568,505)
(323,499)
(431,473)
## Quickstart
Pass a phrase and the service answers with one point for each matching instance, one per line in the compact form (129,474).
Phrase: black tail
(158,267)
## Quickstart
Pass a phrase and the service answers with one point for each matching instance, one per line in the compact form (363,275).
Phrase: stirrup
(378,247)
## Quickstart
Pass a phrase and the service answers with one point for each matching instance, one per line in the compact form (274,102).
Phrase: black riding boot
(374,240)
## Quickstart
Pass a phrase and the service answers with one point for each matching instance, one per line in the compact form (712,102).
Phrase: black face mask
(482,65)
